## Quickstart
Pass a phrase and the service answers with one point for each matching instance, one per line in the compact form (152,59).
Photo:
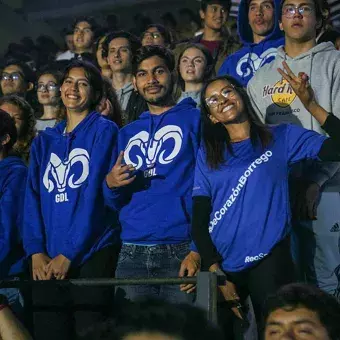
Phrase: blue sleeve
(302,143)
(99,166)
(33,228)
(11,210)
(201,182)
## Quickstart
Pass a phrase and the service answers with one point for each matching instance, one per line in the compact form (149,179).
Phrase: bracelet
(3,306)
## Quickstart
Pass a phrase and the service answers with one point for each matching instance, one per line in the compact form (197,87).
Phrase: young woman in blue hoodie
(241,213)
(13,174)
(68,232)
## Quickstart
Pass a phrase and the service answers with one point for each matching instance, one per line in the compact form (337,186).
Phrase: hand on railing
(228,291)
(190,266)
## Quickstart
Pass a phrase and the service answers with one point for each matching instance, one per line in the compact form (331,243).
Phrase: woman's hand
(228,291)
(39,263)
(300,85)
(59,267)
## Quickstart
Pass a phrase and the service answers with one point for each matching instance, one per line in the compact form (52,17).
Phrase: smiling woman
(68,233)
(240,161)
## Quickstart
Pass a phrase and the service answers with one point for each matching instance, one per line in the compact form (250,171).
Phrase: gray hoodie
(275,102)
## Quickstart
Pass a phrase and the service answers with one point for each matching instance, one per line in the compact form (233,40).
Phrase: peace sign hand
(300,85)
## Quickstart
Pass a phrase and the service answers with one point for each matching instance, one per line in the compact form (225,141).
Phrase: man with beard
(84,35)
(151,182)
(259,32)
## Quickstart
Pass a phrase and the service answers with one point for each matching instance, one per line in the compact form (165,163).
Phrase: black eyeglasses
(11,76)
(47,87)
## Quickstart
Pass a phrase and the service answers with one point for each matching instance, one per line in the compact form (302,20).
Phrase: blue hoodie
(244,63)
(249,194)
(156,207)
(64,204)
(13,174)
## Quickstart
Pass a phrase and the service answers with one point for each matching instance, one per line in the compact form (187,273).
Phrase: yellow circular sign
(282,94)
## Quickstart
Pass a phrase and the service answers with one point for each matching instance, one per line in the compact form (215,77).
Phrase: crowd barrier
(206,287)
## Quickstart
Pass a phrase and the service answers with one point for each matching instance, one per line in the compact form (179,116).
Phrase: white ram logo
(153,150)
(254,62)
(60,170)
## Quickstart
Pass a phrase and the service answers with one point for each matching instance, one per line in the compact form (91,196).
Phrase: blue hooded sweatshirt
(64,204)
(243,64)
(249,194)
(156,207)
(13,175)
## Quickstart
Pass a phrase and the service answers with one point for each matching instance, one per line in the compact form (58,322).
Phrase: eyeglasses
(11,76)
(290,10)
(227,92)
(47,87)
(154,35)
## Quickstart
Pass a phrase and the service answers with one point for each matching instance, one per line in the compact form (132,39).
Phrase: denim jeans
(15,300)
(157,261)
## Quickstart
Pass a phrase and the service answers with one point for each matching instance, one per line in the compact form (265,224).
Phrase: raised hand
(119,174)
(300,85)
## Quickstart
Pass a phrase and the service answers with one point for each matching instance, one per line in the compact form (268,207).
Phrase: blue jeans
(15,300)
(152,262)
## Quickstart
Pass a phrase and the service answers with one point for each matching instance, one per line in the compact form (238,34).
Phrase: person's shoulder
(103,124)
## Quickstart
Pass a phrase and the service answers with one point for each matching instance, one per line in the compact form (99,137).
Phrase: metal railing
(206,287)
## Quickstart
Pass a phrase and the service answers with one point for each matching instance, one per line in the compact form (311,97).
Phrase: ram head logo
(60,171)
(153,149)
(253,62)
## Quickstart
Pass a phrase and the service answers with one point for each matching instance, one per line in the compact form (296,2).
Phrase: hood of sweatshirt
(244,30)
(243,64)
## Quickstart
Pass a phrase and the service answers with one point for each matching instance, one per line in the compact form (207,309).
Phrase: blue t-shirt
(249,194)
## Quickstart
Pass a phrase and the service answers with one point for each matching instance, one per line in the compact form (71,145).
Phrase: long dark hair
(216,137)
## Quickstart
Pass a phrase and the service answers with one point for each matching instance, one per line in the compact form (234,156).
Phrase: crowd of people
(161,153)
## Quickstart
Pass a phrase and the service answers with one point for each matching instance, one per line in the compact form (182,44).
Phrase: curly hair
(28,132)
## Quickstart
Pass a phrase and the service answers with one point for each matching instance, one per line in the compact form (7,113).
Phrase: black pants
(271,273)
(64,312)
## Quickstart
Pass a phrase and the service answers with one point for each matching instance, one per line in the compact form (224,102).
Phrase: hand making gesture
(302,88)
(119,174)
